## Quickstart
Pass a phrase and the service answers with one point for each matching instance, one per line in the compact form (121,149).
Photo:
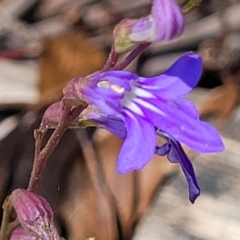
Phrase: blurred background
(45,43)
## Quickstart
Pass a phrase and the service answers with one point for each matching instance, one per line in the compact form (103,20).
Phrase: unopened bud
(22,234)
(165,22)
(52,116)
(72,91)
(34,214)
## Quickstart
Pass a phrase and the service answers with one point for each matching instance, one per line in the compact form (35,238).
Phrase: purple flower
(134,107)
(165,22)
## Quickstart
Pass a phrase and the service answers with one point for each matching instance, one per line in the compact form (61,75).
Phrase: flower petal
(187,107)
(107,89)
(139,145)
(20,233)
(163,150)
(105,103)
(177,155)
(112,124)
(168,18)
(196,134)
(178,80)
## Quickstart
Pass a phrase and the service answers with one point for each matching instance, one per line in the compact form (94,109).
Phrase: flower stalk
(131,57)
(41,156)
(112,60)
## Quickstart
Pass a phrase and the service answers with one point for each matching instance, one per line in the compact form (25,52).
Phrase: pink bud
(72,91)
(34,214)
(52,115)
(22,234)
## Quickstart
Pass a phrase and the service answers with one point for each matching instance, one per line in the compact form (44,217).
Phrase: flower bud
(22,234)
(52,116)
(34,213)
(165,22)
(71,91)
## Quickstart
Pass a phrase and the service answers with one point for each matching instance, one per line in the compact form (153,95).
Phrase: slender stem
(41,157)
(136,52)
(112,60)
(40,162)
(38,135)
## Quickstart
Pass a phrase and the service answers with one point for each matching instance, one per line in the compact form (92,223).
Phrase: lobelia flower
(165,22)
(137,108)
(34,214)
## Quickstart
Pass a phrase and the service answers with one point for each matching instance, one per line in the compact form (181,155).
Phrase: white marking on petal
(134,108)
(150,87)
(139,92)
(149,106)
